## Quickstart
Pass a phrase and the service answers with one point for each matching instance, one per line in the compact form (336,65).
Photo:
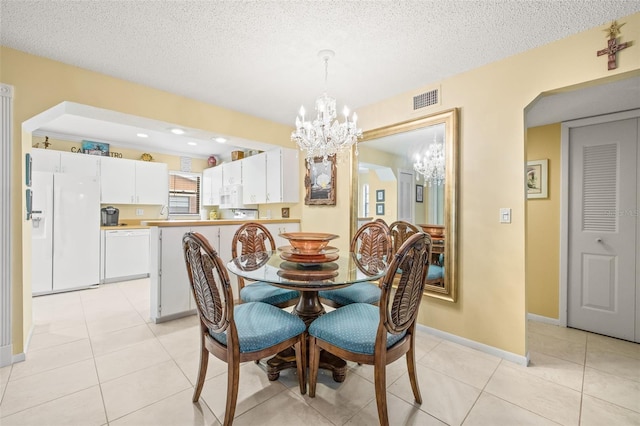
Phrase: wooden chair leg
(314,363)
(202,370)
(233,379)
(301,363)
(380,379)
(411,367)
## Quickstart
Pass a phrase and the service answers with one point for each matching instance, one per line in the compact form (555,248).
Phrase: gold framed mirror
(386,162)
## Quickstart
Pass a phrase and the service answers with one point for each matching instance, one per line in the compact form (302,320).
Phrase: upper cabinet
(271,177)
(133,182)
(211,184)
(152,183)
(49,160)
(282,176)
(254,188)
(232,173)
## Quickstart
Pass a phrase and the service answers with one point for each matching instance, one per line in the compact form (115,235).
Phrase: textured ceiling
(260,57)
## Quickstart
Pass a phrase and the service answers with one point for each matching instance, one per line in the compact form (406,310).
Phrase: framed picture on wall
(379,195)
(536,179)
(320,182)
(419,193)
(380,209)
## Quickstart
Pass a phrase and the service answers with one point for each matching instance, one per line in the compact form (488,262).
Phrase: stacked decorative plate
(308,248)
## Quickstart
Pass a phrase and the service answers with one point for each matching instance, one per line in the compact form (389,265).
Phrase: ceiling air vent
(426,99)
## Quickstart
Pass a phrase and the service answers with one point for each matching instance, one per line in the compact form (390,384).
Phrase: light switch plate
(505,215)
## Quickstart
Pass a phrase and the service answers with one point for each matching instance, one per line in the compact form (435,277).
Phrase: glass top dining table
(333,272)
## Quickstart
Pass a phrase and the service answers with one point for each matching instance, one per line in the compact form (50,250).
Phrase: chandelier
(325,135)
(431,165)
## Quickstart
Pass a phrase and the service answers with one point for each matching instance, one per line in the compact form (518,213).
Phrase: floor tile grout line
(95,365)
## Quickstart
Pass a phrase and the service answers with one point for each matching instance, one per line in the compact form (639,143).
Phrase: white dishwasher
(126,254)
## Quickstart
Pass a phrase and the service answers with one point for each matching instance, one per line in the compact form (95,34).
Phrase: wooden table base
(287,359)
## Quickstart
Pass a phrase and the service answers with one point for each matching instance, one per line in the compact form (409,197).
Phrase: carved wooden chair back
(251,238)
(209,284)
(400,232)
(399,308)
(373,242)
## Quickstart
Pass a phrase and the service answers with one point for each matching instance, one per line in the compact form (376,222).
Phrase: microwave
(231,198)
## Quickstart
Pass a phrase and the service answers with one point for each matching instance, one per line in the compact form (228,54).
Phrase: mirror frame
(450,119)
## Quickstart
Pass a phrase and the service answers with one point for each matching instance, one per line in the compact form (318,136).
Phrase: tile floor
(95,359)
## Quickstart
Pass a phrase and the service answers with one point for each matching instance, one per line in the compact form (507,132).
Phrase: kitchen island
(171,295)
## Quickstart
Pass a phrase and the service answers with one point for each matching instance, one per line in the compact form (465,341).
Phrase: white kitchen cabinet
(282,176)
(232,173)
(49,160)
(254,185)
(211,184)
(152,183)
(117,180)
(133,182)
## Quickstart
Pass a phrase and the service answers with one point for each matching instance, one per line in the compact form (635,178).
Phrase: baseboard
(19,357)
(509,356)
(546,320)
(5,355)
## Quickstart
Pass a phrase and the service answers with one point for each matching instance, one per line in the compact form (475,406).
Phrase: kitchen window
(184,193)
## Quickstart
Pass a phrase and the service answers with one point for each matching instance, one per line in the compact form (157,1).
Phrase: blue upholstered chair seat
(352,327)
(364,292)
(261,325)
(267,293)
(435,272)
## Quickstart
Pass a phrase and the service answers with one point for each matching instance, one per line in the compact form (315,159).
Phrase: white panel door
(602,232)
(406,181)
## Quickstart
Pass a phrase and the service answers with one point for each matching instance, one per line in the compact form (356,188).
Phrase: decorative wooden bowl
(308,242)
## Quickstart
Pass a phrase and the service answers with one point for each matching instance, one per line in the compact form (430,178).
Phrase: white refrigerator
(65,249)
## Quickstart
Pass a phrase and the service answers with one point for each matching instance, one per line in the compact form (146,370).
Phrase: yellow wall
(491,307)
(543,226)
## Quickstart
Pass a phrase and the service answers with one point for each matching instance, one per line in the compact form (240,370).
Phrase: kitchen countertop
(125,224)
(217,222)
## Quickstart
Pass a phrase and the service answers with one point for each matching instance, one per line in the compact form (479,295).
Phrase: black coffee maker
(110,216)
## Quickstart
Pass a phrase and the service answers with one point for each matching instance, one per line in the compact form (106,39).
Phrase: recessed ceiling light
(177,131)
(220,140)
(142,135)
(192,143)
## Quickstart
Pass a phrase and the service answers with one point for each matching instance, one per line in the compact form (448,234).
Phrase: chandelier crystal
(325,136)
(431,165)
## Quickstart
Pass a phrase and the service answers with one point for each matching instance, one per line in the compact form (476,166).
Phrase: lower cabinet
(171,295)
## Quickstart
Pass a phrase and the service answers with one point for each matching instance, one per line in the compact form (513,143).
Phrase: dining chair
(372,242)
(400,232)
(235,334)
(251,238)
(378,335)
